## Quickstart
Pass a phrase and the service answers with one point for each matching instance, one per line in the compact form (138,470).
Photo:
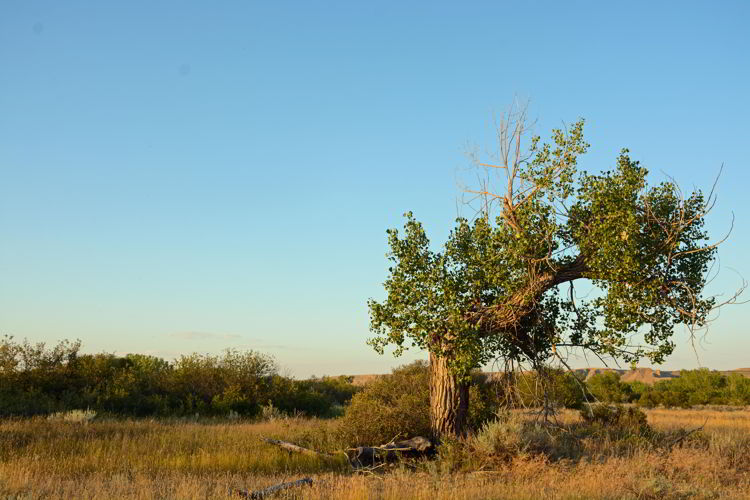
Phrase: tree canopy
(502,284)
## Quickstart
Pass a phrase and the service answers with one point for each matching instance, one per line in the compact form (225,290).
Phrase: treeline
(691,388)
(565,389)
(36,379)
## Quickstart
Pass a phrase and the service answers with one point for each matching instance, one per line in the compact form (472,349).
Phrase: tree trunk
(449,399)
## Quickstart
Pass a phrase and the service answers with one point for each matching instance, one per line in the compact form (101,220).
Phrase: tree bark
(449,399)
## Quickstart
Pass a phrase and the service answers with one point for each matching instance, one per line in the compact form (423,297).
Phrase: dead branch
(363,456)
(266,492)
(685,434)
(291,447)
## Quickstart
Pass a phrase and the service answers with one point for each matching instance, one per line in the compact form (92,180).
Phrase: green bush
(737,390)
(637,390)
(501,436)
(323,397)
(392,405)
(628,419)
(485,401)
(607,388)
(562,388)
(37,379)
(698,387)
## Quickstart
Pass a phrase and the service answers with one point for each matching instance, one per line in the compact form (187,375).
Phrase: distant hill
(648,376)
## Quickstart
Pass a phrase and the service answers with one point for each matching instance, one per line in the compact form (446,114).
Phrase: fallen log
(417,443)
(367,456)
(294,448)
(258,494)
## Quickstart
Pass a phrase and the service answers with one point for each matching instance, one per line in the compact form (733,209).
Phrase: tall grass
(183,459)
(157,447)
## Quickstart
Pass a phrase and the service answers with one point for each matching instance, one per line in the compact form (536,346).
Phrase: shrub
(75,416)
(319,397)
(455,454)
(616,416)
(701,386)
(270,413)
(737,390)
(563,389)
(236,380)
(637,390)
(607,388)
(391,405)
(698,387)
(649,399)
(502,436)
(36,379)
(485,401)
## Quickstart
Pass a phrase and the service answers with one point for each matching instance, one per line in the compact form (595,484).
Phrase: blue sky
(186,176)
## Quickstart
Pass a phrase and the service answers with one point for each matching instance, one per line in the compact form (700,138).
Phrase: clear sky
(187,176)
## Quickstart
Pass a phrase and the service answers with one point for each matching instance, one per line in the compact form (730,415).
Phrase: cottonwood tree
(502,285)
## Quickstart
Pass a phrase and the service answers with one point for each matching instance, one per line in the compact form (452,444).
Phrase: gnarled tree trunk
(449,399)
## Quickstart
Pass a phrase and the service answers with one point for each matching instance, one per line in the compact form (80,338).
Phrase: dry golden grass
(189,460)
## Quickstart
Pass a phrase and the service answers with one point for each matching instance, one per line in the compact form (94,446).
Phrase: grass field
(147,459)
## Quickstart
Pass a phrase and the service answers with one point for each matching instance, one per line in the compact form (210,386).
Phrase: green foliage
(604,431)
(238,381)
(501,436)
(399,402)
(36,379)
(455,454)
(628,418)
(389,406)
(324,397)
(429,293)
(736,390)
(485,400)
(698,387)
(495,287)
(691,388)
(607,388)
(645,248)
(636,389)
(562,388)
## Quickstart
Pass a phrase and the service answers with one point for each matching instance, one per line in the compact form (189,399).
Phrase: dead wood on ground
(294,448)
(364,457)
(266,492)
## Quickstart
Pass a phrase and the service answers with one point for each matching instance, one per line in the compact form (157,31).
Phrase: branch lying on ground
(363,456)
(258,494)
(294,448)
